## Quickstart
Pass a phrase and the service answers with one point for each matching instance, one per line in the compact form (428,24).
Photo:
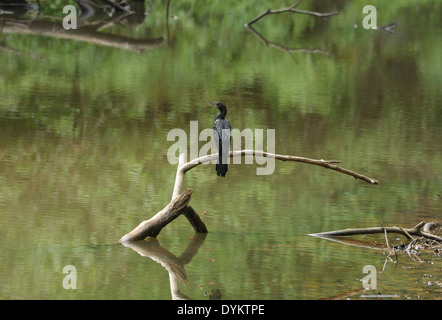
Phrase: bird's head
(219,105)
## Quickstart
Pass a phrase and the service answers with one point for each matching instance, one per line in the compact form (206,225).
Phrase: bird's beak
(212,103)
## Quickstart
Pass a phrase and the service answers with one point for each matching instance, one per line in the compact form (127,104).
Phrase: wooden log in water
(153,226)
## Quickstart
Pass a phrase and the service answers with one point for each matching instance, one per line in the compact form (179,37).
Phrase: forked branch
(153,226)
(180,201)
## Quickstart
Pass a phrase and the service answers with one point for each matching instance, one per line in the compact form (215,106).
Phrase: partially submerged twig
(389,28)
(408,235)
(386,239)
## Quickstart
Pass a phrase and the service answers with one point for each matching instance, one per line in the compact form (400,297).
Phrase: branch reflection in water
(91,28)
(174,265)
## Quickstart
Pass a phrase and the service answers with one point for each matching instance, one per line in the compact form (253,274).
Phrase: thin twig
(386,239)
(406,234)
(397,259)
(385,264)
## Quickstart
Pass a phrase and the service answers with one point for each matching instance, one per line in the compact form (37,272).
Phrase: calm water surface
(83,150)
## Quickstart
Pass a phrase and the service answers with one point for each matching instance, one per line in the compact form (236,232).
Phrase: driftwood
(415,231)
(177,206)
(179,203)
(414,246)
(291,9)
(153,226)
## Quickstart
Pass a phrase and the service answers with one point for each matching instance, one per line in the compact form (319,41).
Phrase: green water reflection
(83,150)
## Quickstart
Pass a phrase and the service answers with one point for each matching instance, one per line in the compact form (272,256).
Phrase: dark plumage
(221,134)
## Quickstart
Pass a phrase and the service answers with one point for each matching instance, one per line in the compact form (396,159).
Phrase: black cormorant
(221,134)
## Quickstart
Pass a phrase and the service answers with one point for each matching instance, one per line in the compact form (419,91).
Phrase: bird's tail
(221,168)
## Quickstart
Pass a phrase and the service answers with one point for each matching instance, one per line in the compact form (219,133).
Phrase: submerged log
(415,231)
(153,226)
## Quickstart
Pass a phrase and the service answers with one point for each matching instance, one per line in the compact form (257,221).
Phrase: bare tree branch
(328,164)
(179,203)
